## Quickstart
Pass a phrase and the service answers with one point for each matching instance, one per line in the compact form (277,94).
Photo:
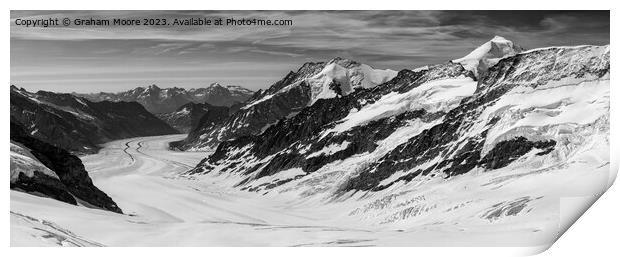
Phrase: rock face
(78,125)
(166,100)
(40,168)
(532,109)
(189,116)
(297,90)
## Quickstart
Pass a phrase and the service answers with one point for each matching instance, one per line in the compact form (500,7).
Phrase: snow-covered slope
(434,156)
(488,54)
(79,125)
(297,90)
(165,208)
(341,77)
(338,76)
(237,91)
(539,114)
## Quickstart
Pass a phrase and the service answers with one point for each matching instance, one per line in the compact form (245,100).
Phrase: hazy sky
(92,59)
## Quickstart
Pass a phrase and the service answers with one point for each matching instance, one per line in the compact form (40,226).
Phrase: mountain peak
(344,62)
(215,84)
(497,38)
(236,88)
(488,54)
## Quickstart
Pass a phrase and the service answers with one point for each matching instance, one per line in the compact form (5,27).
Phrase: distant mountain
(189,116)
(167,100)
(79,125)
(312,81)
(40,168)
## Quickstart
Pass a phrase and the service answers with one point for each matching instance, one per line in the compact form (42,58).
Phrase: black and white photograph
(319,128)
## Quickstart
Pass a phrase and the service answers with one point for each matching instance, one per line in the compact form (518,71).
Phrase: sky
(118,58)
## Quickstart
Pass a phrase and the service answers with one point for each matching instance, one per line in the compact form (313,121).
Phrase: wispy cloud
(385,39)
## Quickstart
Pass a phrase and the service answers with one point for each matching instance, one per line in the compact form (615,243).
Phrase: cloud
(275,53)
(389,32)
(383,39)
(162,48)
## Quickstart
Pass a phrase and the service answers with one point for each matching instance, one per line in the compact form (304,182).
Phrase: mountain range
(499,110)
(490,136)
(310,83)
(167,100)
(79,125)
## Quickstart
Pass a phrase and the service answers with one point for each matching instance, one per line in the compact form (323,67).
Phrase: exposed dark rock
(42,184)
(505,152)
(79,125)
(249,121)
(190,115)
(74,180)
